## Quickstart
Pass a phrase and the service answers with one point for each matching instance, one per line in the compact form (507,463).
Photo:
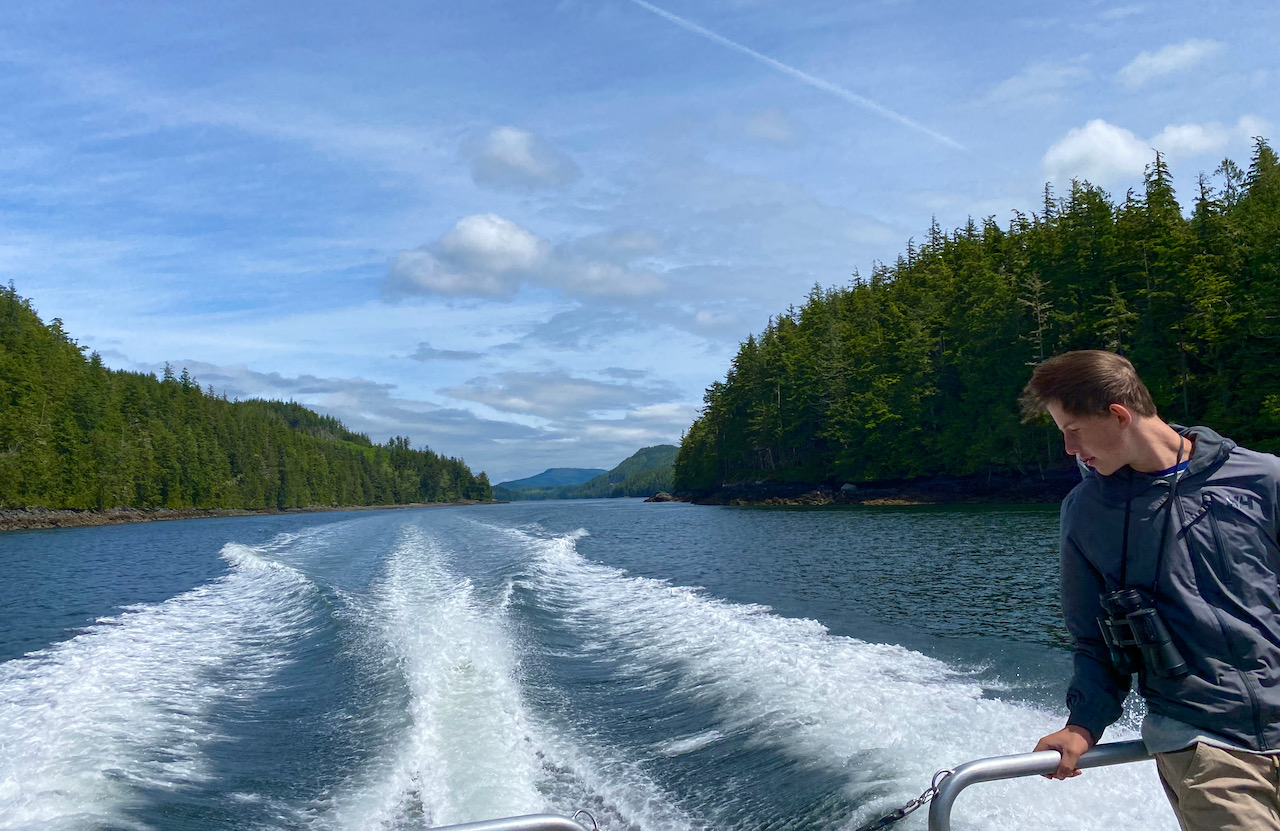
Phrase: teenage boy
(1189,520)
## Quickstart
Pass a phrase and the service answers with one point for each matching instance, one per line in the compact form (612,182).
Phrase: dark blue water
(664,666)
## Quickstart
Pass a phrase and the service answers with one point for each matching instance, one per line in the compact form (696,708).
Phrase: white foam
(471,749)
(126,704)
(888,715)
(467,752)
(688,744)
(580,772)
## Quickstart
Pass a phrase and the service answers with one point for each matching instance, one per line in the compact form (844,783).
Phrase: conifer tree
(916,370)
(74,434)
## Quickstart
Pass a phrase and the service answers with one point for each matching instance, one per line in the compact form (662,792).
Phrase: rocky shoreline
(995,489)
(29,519)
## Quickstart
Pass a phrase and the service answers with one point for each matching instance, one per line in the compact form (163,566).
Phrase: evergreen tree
(917,369)
(74,434)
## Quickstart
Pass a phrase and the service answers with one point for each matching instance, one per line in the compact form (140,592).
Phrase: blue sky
(531,233)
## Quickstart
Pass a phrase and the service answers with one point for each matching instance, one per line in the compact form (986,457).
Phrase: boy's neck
(1158,446)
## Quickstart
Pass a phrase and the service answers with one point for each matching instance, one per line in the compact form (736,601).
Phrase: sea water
(663,666)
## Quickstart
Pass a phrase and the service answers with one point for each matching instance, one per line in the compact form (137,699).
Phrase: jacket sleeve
(1095,697)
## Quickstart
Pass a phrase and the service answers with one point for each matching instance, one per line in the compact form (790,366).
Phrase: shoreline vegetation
(648,471)
(1003,488)
(900,388)
(77,435)
(43,519)
(914,372)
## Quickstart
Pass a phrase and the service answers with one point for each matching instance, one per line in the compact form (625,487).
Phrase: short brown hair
(1086,383)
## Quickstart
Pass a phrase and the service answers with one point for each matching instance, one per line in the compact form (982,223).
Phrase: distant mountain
(554,476)
(643,473)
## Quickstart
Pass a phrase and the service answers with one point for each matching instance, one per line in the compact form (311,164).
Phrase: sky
(530,233)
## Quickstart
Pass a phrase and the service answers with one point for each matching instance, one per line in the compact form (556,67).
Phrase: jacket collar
(1209,451)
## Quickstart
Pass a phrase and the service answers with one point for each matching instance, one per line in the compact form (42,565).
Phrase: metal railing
(970,773)
(532,822)
(1025,764)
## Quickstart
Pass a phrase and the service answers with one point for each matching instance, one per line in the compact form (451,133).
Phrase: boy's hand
(1071,741)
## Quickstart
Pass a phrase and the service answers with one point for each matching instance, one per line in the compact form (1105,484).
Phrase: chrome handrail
(970,773)
(1024,764)
(531,822)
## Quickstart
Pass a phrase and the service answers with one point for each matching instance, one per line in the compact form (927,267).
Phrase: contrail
(811,80)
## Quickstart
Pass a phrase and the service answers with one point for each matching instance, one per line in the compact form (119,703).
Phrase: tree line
(643,473)
(75,434)
(916,369)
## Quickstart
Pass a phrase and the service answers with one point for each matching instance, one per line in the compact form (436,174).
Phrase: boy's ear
(1122,414)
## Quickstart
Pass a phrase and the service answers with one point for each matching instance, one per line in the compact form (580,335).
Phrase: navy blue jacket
(1216,586)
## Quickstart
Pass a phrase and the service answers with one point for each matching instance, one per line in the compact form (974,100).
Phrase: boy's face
(1096,440)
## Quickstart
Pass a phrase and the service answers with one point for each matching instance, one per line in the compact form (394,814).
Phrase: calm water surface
(664,666)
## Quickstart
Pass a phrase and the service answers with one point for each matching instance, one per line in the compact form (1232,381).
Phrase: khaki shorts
(1212,788)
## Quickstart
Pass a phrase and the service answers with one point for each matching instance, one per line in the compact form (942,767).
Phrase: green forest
(915,369)
(643,473)
(75,434)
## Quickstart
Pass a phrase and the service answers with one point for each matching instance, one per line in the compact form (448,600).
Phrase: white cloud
(772,127)
(426,353)
(603,279)
(577,329)
(1250,126)
(558,395)
(1121,12)
(363,405)
(618,246)
(1190,139)
(487,242)
(604,265)
(488,256)
(1194,139)
(601,442)
(1099,152)
(420,272)
(1038,85)
(410,150)
(505,449)
(1102,152)
(509,158)
(1166,61)
(482,256)
(713,320)
(624,374)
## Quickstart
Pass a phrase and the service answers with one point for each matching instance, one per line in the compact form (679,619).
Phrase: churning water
(663,666)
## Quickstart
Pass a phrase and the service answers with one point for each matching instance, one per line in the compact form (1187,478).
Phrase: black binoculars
(1137,637)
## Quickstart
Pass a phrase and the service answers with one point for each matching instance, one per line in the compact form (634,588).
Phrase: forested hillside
(74,434)
(915,370)
(643,473)
(553,477)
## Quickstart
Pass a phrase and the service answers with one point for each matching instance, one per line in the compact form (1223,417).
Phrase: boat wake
(90,724)
(885,717)
(465,746)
